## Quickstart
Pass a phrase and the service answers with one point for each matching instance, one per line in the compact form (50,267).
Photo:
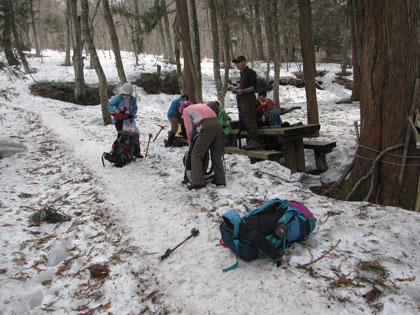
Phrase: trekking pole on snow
(161,128)
(194,232)
(147,149)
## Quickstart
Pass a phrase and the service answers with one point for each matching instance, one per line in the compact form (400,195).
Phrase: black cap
(238,59)
(262,92)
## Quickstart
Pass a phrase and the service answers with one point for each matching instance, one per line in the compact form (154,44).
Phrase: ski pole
(147,149)
(161,128)
(194,232)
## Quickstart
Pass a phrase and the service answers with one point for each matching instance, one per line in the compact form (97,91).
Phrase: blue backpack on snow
(266,231)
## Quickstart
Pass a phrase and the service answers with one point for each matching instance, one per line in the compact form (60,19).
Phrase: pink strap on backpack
(302,208)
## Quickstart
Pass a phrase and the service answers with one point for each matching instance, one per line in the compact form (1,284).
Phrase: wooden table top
(303,130)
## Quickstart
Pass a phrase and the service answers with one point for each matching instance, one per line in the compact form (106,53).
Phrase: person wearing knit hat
(123,107)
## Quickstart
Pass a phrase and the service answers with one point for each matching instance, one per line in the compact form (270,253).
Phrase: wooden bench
(256,155)
(321,148)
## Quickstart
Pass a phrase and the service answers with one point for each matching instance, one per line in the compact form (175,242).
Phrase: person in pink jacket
(204,131)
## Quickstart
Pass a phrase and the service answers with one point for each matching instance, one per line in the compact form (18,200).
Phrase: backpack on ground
(208,171)
(124,149)
(266,231)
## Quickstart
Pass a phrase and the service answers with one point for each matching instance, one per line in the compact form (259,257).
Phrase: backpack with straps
(208,171)
(266,231)
(124,149)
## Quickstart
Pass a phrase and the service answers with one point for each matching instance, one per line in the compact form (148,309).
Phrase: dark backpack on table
(266,231)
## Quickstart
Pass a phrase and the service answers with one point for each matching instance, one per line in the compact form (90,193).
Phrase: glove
(119,116)
(129,116)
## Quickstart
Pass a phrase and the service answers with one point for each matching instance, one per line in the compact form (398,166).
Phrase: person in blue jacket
(123,106)
(174,118)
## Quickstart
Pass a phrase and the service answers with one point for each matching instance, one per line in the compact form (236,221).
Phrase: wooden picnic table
(289,140)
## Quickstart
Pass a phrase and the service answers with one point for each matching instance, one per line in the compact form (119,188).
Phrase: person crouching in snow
(202,125)
(123,107)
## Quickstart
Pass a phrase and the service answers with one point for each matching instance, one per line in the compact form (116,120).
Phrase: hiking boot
(139,155)
(253,145)
(192,186)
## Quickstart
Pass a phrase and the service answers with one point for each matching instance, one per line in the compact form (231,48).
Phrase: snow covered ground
(361,260)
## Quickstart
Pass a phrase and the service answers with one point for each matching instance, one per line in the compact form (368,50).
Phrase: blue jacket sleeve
(113,104)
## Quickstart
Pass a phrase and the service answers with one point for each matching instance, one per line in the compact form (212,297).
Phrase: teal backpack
(266,231)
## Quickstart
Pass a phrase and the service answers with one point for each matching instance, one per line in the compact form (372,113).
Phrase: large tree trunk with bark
(103,91)
(114,41)
(182,31)
(79,78)
(308,56)
(17,41)
(390,65)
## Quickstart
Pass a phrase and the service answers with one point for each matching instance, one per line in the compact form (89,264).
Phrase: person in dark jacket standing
(246,92)
(174,118)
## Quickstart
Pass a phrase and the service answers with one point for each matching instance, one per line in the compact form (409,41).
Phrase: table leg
(290,155)
(300,156)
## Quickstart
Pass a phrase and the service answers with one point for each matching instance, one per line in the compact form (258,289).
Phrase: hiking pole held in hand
(194,232)
(147,149)
(161,128)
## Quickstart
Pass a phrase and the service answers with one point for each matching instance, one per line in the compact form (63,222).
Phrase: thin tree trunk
(195,37)
(269,32)
(67,20)
(92,29)
(34,32)
(168,37)
(355,50)
(249,25)
(258,30)
(137,31)
(276,42)
(103,91)
(79,79)
(162,41)
(345,45)
(114,41)
(308,56)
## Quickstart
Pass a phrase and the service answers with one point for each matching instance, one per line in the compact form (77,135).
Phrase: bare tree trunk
(17,41)
(308,56)
(276,42)
(178,57)
(34,32)
(345,45)
(221,87)
(249,25)
(269,32)
(103,91)
(68,34)
(92,30)
(355,50)
(162,41)
(390,65)
(195,37)
(182,31)
(168,33)
(138,44)
(114,41)
(258,30)
(79,79)
(7,35)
